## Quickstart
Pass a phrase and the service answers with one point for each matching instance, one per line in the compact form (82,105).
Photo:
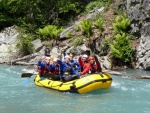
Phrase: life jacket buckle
(66,73)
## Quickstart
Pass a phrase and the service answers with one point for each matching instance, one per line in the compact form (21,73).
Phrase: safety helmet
(85,56)
(91,58)
(55,59)
(47,58)
(47,50)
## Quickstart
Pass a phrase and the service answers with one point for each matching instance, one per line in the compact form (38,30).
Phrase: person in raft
(43,66)
(53,69)
(74,63)
(83,61)
(91,67)
(42,60)
(67,72)
(56,68)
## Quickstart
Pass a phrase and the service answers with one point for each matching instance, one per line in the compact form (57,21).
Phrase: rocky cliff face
(139,13)
(8,38)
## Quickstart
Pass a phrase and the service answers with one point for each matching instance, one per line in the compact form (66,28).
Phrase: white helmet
(47,58)
(55,59)
(85,56)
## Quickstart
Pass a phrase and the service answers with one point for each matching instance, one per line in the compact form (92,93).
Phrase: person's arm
(42,65)
(74,72)
(78,65)
(86,69)
(39,64)
(62,67)
(81,62)
(61,64)
(51,67)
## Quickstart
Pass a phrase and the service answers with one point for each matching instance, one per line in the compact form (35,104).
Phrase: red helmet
(91,58)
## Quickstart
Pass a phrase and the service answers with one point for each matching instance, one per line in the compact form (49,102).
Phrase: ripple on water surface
(124,96)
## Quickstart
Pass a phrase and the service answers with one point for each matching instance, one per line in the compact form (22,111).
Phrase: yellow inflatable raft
(82,85)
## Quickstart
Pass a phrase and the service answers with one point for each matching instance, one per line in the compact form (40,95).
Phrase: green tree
(122,24)
(121,48)
(24,43)
(37,13)
(86,26)
(49,32)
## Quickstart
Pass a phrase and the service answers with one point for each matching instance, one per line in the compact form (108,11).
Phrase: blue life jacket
(75,65)
(66,67)
(42,65)
(51,68)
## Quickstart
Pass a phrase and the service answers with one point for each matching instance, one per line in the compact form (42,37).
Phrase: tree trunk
(23,58)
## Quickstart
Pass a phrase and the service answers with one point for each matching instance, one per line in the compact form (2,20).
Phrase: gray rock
(106,63)
(94,13)
(55,52)
(70,29)
(143,53)
(100,9)
(135,28)
(37,45)
(137,11)
(42,51)
(146,29)
(145,4)
(147,65)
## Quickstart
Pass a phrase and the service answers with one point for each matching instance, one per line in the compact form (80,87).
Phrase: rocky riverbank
(137,11)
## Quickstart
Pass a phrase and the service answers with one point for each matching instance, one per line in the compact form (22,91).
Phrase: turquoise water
(124,96)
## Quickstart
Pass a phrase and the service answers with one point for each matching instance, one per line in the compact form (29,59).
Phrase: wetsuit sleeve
(39,63)
(42,65)
(62,67)
(81,63)
(61,64)
(86,69)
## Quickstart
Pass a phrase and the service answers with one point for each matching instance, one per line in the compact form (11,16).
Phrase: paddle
(25,81)
(45,75)
(26,75)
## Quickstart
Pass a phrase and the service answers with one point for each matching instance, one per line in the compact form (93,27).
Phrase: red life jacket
(93,68)
(89,68)
(44,70)
(83,64)
(41,70)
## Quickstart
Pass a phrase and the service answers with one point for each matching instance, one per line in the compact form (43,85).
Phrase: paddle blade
(25,81)
(26,75)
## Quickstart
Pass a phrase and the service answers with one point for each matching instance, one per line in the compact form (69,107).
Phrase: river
(125,95)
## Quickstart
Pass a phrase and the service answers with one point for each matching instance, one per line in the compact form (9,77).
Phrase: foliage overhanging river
(124,96)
